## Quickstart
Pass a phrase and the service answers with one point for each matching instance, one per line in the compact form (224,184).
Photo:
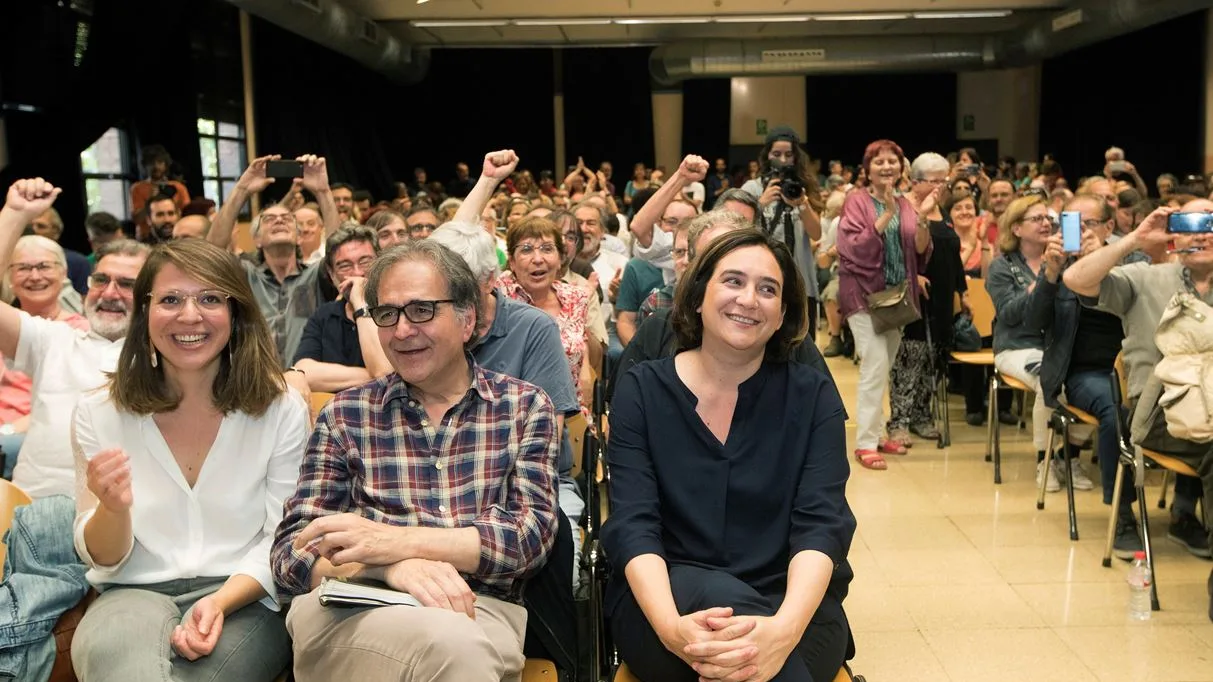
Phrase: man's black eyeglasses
(417,312)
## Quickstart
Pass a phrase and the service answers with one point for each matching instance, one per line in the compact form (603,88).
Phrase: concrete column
(558,113)
(1208,104)
(757,105)
(558,130)
(667,128)
(1001,105)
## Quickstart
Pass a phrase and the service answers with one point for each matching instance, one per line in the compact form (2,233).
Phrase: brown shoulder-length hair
(687,321)
(138,387)
(534,228)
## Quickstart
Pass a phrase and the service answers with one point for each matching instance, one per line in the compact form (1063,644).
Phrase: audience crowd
(156,397)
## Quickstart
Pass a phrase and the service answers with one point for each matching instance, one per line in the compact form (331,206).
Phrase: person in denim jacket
(1086,377)
(1031,255)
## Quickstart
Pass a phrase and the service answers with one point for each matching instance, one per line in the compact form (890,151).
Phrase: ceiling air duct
(341,29)
(1086,22)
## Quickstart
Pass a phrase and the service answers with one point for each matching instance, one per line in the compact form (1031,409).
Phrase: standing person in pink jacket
(879,246)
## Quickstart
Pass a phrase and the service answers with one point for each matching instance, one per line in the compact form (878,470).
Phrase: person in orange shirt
(156,163)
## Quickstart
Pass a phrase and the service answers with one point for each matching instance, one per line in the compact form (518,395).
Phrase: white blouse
(222,526)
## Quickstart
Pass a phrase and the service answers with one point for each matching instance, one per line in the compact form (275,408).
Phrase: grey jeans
(125,636)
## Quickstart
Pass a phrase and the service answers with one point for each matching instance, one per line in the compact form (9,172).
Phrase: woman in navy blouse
(730,528)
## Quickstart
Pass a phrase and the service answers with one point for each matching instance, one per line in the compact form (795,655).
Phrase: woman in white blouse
(182,468)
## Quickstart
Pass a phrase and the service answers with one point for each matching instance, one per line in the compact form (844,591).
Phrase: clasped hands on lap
(379,551)
(721,646)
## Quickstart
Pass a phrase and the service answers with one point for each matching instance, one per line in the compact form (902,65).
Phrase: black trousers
(821,652)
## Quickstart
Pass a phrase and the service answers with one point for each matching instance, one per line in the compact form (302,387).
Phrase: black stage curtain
(705,118)
(846,113)
(608,108)
(372,131)
(1143,92)
(91,74)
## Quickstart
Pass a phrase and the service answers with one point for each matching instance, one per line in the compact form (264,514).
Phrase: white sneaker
(1082,481)
(1053,484)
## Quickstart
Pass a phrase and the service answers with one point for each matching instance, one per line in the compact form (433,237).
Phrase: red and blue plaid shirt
(490,464)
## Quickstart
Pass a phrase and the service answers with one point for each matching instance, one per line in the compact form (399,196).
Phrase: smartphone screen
(1188,223)
(284,168)
(1071,231)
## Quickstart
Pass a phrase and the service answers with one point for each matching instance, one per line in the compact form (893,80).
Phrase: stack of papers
(361,592)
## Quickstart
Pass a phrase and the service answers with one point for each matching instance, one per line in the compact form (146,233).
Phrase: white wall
(1005,105)
(777,100)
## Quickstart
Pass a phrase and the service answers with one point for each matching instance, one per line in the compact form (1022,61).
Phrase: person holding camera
(791,205)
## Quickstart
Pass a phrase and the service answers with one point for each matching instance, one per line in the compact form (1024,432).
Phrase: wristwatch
(362,312)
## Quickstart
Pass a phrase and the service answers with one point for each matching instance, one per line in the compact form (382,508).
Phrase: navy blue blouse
(776,487)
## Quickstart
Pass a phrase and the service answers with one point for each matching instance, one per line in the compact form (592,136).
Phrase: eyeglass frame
(404,309)
(123,283)
(525,250)
(344,267)
(186,297)
(42,267)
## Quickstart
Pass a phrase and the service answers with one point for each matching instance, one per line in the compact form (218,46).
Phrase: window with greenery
(106,175)
(224,157)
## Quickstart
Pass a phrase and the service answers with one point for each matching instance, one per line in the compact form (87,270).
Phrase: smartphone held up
(1071,231)
(1190,223)
(284,168)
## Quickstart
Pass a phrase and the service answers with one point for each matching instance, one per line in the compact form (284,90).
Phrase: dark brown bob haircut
(688,298)
(140,388)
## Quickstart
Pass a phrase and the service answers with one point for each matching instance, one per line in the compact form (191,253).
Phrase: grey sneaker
(1127,541)
(1082,481)
(834,348)
(1188,532)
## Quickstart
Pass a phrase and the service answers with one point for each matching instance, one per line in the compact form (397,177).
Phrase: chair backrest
(982,306)
(319,400)
(576,426)
(1122,379)
(11,497)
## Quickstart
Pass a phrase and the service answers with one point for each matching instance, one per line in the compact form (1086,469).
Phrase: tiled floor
(959,579)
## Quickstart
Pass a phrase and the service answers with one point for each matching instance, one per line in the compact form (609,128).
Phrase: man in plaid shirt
(439,480)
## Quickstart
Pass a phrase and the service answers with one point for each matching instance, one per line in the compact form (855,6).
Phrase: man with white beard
(62,362)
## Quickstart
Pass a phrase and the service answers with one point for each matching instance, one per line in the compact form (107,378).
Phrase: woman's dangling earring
(155,358)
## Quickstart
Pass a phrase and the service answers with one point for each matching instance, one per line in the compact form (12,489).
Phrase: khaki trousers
(405,643)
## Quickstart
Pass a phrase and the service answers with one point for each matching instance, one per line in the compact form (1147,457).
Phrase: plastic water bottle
(1139,588)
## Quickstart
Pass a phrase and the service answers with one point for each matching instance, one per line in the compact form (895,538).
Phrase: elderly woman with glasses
(1031,256)
(925,343)
(36,277)
(880,246)
(183,466)
(536,253)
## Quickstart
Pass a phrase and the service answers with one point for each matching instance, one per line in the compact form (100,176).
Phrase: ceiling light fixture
(460,23)
(664,20)
(860,17)
(774,19)
(562,22)
(991,14)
